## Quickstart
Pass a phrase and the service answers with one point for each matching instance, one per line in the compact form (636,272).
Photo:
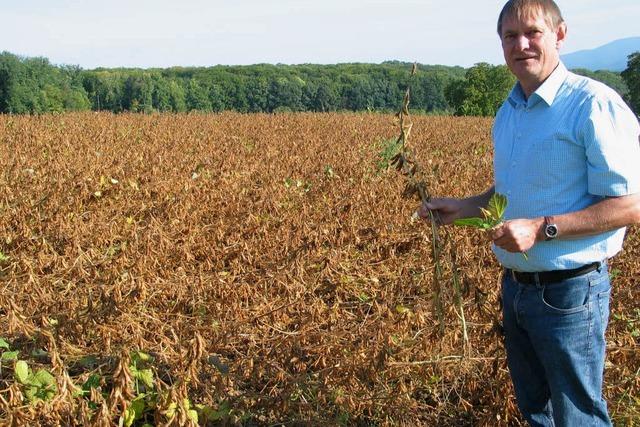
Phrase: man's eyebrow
(533,27)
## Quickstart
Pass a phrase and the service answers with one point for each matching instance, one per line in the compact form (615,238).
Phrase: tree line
(34,85)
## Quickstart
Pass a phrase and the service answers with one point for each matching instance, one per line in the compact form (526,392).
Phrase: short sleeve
(611,137)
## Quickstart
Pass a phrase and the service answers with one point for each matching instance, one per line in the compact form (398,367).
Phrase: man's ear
(561,34)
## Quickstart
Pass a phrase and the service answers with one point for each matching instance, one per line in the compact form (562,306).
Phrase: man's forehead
(527,18)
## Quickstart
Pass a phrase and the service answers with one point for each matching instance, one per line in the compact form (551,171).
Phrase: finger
(425,212)
(496,233)
(435,204)
(437,218)
(500,242)
(434,215)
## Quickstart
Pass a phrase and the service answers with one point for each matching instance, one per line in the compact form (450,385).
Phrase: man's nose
(522,42)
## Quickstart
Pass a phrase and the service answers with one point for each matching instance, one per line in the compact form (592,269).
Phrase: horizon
(304,63)
(197,33)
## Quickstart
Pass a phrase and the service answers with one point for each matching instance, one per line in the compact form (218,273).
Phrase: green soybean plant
(493,216)
(7,353)
(40,385)
(146,397)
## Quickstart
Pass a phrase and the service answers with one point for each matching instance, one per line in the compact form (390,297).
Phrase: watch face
(551,231)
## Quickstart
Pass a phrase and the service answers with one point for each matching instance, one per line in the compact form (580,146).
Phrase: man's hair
(523,8)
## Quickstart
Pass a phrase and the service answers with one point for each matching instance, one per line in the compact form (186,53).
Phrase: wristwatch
(550,229)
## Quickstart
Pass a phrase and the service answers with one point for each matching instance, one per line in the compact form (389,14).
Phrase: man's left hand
(517,235)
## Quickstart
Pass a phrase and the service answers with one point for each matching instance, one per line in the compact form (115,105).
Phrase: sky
(164,33)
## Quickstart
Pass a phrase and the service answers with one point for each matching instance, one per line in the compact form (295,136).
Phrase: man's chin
(524,71)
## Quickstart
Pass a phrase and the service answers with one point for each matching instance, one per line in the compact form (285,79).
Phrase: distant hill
(612,56)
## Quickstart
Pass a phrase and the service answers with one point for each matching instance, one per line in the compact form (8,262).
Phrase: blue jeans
(554,337)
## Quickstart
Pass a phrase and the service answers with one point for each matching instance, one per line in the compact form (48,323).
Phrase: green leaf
(192,414)
(41,386)
(31,393)
(129,416)
(137,406)
(471,222)
(44,378)
(146,376)
(4,344)
(9,355)
(210,414)
(46,394)
(171,410)
(45,384)
(140,356)
(186,403)
(401,309)
(133,412)
(497,206)
(389,154)
(21,371)
(92,382)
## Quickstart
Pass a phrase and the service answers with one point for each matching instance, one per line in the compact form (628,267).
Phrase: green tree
(52,98)
(610,78)
(257,94)
(177,97)
(482,91)
(10,67)
(428,92)
(161,94)
(217,98)
(631,77)
(326,97)
(359,95)
(285,94)
(138,93)
(197,96)
(104,89)
(75,99)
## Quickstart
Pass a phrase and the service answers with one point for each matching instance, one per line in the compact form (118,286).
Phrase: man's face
(530,48)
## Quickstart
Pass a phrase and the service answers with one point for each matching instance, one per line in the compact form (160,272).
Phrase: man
(566,156)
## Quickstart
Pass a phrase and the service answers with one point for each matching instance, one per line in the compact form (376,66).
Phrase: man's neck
(529,90)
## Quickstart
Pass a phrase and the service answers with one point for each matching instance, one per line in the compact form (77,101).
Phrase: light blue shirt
(573,142)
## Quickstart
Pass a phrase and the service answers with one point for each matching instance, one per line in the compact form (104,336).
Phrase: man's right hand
(445,210)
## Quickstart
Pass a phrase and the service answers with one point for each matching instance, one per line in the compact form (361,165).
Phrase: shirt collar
(546,92)
(550,87)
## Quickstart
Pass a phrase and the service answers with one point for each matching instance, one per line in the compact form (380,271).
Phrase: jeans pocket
(567,297)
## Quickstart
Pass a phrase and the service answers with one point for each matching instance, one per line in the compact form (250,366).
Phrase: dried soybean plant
(406,163)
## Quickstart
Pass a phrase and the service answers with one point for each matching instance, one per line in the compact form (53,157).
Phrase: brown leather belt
(546,277)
